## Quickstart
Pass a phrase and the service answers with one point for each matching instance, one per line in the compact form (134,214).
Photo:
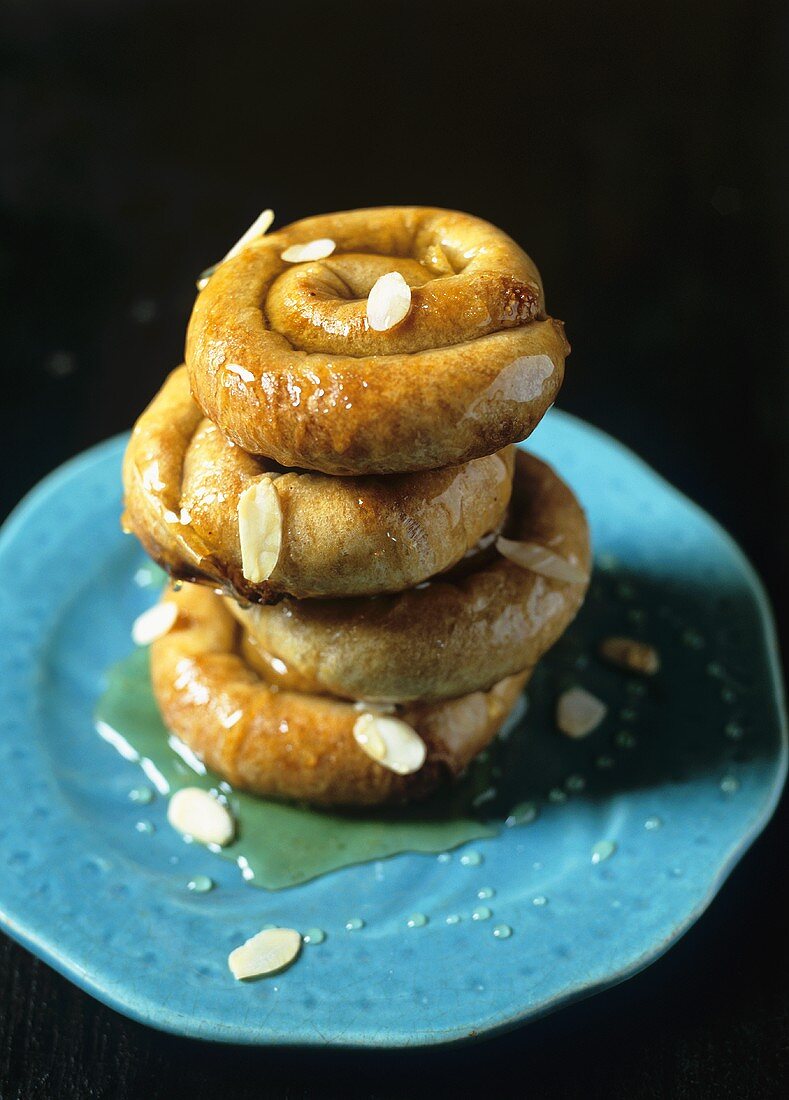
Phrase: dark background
(639,152)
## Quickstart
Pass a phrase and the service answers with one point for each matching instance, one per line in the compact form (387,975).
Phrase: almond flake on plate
(154,623)
(196,813)
(260,530)
(391,743)
(630,654)
(578,712)
(266,953)
(539,559)
(313,250)
(242,372)
(388,302)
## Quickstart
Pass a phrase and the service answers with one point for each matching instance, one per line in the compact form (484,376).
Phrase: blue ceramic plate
(672,788)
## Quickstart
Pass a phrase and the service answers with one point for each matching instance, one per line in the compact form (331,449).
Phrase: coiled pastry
(282,358)
(337,536)
(451,636)
(284,744)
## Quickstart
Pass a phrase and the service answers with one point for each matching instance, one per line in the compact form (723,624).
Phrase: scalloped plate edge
(147,1012)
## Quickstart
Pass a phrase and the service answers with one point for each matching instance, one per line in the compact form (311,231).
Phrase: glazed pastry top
(284,358)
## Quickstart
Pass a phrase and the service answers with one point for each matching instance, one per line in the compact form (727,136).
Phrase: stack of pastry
(368,569)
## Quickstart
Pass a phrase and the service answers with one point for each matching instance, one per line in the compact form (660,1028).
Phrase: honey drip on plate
(277,844)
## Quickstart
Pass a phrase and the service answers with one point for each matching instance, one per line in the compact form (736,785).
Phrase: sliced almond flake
(196,813)
(390,742)
(154,623)
(266,953)
(260,530)
(578,712)
(631,654)
(389,302)
(318,249)
(369,739)
(539,559)
(242,372)
(259,227)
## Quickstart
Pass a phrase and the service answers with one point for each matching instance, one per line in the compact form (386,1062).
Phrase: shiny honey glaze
(279,845)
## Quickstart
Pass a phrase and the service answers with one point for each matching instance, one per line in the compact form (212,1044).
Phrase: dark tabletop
(640,154)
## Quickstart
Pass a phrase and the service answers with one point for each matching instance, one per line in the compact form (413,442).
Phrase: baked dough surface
(352,536)
(281,356)
(289,745)
(453,635)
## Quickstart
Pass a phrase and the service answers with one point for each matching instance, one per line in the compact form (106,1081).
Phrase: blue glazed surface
(681,777)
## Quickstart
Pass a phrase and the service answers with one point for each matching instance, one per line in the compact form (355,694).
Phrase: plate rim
(144,1010)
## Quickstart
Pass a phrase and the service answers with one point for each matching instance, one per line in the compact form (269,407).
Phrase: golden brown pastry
(447,637)
(283,744)
(283,359)
(338,536)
